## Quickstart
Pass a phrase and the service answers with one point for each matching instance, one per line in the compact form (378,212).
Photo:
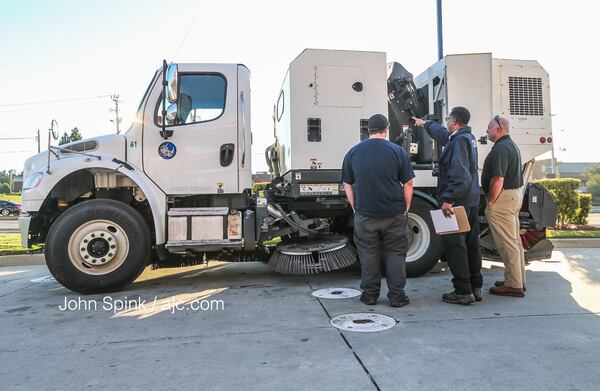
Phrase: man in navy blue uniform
(377,177)
(458,185)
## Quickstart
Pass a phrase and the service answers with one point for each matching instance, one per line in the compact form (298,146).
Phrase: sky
(67,50)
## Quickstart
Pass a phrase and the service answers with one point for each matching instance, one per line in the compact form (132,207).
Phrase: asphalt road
(271,334)
(9,224)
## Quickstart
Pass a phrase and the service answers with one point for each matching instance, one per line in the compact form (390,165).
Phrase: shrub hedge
(572,207)
(585,206)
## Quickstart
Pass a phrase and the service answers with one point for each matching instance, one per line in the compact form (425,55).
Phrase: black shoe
(368,299)
(400,301)
(477,294)
(455,298)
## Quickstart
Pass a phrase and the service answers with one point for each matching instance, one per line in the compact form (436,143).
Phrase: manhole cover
(44,279)
(336,293)
(363,323)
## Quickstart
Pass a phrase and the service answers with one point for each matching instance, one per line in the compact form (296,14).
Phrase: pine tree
(65,139)
(75,134)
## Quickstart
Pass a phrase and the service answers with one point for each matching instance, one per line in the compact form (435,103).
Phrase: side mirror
(172,84)
(171,114)
(169,84)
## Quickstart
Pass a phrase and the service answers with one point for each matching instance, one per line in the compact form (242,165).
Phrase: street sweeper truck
(176,188)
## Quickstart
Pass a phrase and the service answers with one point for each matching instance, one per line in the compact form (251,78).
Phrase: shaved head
(502,123)
(497,128)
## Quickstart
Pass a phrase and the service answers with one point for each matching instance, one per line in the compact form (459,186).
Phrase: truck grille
(525,94)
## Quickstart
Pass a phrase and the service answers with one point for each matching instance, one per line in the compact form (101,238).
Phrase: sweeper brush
(314,255)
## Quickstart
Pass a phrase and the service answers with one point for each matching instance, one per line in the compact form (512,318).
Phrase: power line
(17,138)
(53,101)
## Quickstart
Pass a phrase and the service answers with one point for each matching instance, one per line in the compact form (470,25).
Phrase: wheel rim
(5,212)
(98,247)
(419,237)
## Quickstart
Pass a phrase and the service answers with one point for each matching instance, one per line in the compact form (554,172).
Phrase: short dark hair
(461,115)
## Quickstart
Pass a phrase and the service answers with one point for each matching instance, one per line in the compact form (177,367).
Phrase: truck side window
(201,98)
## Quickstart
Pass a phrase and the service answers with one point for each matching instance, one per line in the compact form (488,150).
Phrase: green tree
(75,134)
(593,183)
(594,170)
(65,139)
(4,188)
(69,138)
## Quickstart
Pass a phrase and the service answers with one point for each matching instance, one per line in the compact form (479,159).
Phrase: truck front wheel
(98,246)
(425,245)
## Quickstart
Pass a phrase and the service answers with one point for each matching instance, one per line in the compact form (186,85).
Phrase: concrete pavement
(272,334)
(594,219)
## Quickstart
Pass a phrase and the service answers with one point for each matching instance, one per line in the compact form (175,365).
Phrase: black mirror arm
(165,134)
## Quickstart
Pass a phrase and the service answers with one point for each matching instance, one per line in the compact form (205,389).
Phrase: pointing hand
(418,121)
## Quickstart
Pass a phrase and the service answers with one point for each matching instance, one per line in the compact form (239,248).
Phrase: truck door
(244,131)
(201,155)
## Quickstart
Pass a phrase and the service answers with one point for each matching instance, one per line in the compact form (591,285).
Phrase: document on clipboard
(456,223)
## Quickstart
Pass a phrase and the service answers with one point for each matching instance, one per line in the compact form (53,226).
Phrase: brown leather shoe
(501,283)
(506,291)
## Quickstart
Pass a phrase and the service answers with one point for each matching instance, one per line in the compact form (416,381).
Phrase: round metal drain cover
(363,322)
(336,293)
(44,279)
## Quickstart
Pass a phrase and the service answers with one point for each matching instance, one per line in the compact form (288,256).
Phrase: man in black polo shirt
(377,177)
(502,182)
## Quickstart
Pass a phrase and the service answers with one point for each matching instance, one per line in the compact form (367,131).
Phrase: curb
(22,259)
(576,243)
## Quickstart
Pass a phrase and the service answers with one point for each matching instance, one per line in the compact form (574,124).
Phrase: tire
(425,245)
(98,246)
(5,212)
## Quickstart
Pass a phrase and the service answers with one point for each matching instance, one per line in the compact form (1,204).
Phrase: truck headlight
(33,181)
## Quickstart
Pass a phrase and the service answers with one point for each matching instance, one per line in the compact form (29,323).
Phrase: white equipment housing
(516,89)
(324,97)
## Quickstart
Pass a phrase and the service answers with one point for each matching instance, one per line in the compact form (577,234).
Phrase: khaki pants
(503,218)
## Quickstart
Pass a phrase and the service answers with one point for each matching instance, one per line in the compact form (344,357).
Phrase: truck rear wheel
(425,245)
(98,246)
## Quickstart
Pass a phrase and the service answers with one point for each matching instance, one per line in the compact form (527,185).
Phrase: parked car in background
(8,208)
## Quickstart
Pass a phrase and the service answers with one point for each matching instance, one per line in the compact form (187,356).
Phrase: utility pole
(553,162)
(117,120)
(439,30)
(37,138)
(10,180)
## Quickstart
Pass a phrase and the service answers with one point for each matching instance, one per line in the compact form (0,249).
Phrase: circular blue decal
(167,150)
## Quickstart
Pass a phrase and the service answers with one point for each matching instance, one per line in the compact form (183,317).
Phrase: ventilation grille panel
(83,146)
(364,129)
(525,95)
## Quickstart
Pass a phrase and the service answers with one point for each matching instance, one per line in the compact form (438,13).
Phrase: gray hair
(503,123)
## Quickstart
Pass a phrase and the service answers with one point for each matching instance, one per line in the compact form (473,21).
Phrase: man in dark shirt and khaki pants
(502,182)
(377,177)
